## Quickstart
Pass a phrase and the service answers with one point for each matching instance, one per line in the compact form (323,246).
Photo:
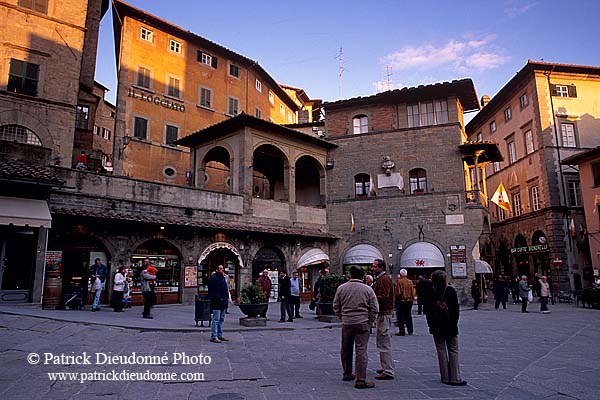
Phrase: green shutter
(572,91)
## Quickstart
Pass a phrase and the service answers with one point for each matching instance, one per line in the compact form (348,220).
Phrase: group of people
(520,289)
(122,286)
(361,305)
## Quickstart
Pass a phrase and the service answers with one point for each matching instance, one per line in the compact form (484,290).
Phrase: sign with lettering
(529,249)
(458,258)
(190,276)
(159,101)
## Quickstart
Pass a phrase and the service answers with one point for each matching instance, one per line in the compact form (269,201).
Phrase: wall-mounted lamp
(126,140)
(329,164)
(162,228)
(399,247)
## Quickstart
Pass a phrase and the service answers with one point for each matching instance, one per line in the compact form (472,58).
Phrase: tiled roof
(190,222)
(25,171)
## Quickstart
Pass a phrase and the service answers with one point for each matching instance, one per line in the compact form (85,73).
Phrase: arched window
(20,134)
(362,186)
(360,124)
(418,180)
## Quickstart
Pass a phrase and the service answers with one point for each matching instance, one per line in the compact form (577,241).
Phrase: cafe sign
(159,101)
(529,249)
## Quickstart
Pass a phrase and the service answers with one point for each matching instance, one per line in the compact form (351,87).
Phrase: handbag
(312,305)
(529,296)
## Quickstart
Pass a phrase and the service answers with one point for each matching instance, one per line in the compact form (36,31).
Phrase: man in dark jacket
(285,292)
(421,288)
(384,291)
(219,298)
(500,292)
(475,294)
(442,312)
(264,281)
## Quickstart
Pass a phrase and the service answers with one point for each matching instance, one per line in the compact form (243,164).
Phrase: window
(271,97)
(146,34)
(529,142)
(171,135)
(497,166)
(512,154)
(282,109)
(517,204)
(290,117)
(258,113)
(574,193)
(143,77)
(20,134)
(96,130)
(596,173)
(568,135)
(501,213)
(258,85)
(233,106)
(480,137)
(234,70)
(140,128)
(207,59)
(362,186)
(507,114)
(40,6)
(427,113)
(205,97)
(23,77)
(523,100)
(535,198)
(105,134)
(175,46)
(173,87)
(82,116)
(493,127)
(418,180)
(563,90)
(360,124)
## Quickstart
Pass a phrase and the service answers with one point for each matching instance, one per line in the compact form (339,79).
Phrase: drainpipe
(562,199)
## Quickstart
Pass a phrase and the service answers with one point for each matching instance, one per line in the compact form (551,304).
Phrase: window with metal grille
(20,134)
(23,77)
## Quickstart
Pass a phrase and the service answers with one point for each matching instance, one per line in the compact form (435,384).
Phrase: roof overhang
(485,151)
(582,156)
(24,212)
(362,254)
(422,255)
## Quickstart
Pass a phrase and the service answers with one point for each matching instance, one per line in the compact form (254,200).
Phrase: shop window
(418,181)
(167,262)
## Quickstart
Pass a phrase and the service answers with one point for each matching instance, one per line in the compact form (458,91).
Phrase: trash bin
(202,310)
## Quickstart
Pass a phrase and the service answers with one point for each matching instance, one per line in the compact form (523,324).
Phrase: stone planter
(253,311)
(326,313)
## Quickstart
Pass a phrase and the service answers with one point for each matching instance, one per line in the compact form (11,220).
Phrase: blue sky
(419,42)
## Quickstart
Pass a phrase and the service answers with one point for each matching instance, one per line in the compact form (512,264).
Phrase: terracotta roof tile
(25,171)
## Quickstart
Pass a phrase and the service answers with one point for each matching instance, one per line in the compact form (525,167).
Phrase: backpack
(441,313)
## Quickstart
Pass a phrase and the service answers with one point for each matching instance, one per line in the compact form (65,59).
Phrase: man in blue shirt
(295,294)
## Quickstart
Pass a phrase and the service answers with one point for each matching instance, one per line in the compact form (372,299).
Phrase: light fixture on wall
(126,140)
(329,164)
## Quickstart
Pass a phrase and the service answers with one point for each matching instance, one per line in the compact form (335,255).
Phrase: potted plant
(329,285)
(252,301)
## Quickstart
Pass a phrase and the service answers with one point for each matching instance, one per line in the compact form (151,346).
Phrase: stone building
(545,113)
(46,103)
(172,83)
(103,131)
(398,184)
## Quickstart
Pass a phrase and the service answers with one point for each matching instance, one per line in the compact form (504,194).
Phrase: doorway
(17,263)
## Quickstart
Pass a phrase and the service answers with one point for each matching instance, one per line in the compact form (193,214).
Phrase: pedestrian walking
(442,312)
(97,290)
(384,291)
(475,294)
(98,269)
(500,292)
(404,295)
(219,298)
(524,291)
(265,283)
(537,287)
(285,290)
(356,305)
(295,294)
(421,288)
(148,279)
(544,294)
(119,289)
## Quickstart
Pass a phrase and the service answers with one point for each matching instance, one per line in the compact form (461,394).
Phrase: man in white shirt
(295,294)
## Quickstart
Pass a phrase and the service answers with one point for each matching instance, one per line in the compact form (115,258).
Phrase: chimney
(485,99)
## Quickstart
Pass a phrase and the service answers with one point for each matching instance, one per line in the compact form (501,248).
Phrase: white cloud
(458,55)
(384,85)
(515,8)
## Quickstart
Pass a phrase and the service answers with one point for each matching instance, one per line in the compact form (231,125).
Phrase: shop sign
(529,249)
(458,258)
(191,276)
(159,101)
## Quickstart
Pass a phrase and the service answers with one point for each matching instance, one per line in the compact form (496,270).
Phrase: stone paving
(504,355)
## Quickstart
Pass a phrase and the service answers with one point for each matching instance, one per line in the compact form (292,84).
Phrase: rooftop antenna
(341,71)
(389,73)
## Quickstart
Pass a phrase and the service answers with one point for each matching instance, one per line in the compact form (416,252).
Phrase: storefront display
(167,279)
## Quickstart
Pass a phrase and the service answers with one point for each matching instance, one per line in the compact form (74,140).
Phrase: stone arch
(17,117)
(309,182)
(270,178)
(216,167)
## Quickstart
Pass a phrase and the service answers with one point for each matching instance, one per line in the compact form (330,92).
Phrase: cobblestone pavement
(504,355)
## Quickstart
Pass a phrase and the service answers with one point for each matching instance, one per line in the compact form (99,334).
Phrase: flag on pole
(372,191)
(501,198)
(352,227)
